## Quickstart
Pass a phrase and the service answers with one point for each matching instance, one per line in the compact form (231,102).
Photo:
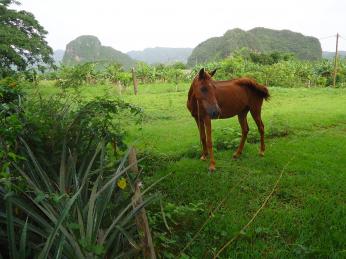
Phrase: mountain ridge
(331,54)
(258,39)
(164,55)
(88,48)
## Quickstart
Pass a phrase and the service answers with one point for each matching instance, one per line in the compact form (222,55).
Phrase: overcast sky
(137,24)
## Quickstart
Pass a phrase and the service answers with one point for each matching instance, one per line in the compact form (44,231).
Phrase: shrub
(277,69)
(117,75)
(51,122)
(77,75)
(11,97)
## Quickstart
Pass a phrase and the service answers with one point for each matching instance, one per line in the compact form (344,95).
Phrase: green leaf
(58,223)
(22,247)
(10,228)
(92,216)
(43,175)
(32,213)
(62,174)
(128,237)
(40,197)
(99,250)
(60,247)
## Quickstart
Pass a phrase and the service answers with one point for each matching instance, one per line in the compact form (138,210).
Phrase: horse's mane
(261,90)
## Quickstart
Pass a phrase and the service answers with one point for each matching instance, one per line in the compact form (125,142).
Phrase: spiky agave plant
(81,212)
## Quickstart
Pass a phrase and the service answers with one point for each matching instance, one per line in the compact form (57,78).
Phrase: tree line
(273,69)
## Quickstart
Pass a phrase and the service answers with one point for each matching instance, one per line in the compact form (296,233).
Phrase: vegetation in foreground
(64,181)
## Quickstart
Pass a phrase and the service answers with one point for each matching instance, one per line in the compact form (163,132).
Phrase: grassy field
(305,138)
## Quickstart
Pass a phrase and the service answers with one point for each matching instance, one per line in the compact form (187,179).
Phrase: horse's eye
(204,89)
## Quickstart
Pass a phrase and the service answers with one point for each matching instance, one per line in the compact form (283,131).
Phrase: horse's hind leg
(244,131)
(201,129)
(256,115)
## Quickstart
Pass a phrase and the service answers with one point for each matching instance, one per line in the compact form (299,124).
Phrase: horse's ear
(201,74)
(212,73)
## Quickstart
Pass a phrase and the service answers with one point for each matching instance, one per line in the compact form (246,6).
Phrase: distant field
(305,134)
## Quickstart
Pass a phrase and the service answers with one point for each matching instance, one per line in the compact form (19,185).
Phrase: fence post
(133,160)
(134,79)
(141,218)
(336,59)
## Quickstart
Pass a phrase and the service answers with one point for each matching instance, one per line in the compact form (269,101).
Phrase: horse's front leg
(207,123)
(201,129)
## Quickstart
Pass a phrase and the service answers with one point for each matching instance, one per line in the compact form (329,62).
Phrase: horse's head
(204,91)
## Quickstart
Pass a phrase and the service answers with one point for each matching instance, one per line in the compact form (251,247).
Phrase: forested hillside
(88,48)
(258,39)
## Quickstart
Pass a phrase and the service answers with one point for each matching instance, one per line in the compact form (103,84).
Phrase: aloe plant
(80,213)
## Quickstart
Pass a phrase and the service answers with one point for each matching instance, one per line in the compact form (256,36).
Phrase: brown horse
(209,99)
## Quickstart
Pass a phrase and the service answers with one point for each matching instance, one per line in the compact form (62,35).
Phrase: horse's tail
(260,90)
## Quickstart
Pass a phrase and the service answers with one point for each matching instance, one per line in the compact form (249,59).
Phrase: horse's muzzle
(213,111)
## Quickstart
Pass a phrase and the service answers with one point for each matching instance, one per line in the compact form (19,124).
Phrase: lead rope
(199,125)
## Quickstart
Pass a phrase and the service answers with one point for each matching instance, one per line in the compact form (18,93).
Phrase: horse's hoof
(203,158)
(236,155)
(261,153)
(211,169)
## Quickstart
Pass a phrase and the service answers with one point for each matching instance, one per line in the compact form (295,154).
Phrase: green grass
(305,132)
(306,215)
